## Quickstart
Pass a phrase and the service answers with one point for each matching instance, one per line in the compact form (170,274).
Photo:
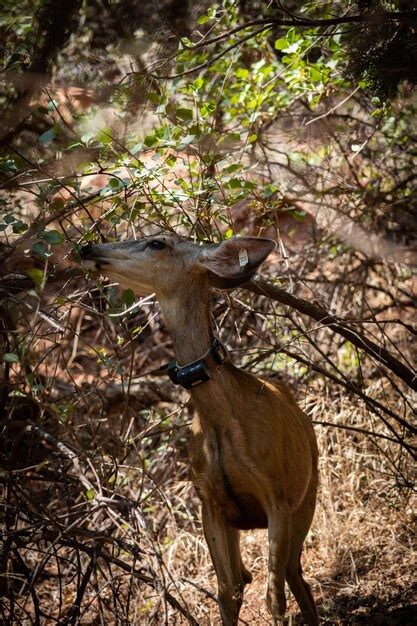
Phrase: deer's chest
(224,475)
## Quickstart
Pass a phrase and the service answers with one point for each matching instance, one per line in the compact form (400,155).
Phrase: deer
(253,451)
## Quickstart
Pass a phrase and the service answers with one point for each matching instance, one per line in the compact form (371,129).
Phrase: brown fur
(253,450)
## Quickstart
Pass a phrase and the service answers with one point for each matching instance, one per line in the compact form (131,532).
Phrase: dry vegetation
(102,519)
(100,524)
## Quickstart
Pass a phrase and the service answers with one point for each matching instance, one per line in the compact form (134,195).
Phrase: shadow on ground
(402,616)
(344,613)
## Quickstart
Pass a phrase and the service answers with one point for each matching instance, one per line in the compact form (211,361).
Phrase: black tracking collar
(199,371)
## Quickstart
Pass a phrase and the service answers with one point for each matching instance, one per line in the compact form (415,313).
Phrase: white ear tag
(243,257)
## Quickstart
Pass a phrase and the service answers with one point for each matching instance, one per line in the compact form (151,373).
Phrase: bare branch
(316,312)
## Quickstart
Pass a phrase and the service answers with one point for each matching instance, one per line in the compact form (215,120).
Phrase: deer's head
(167,263)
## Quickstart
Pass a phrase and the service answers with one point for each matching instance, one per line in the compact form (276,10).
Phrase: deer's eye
(157,244)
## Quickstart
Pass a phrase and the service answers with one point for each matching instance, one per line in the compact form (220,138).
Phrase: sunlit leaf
(36,275)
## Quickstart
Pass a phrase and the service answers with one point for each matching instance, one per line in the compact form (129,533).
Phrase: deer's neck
(187,317)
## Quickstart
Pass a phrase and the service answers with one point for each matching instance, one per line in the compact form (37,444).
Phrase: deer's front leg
(279,545)
(223,543)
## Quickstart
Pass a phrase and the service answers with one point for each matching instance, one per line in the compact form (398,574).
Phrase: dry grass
(100,523)
(359,555)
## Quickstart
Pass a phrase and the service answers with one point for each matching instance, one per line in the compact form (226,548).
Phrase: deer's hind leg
(223,543)
(279,547)
(300,525)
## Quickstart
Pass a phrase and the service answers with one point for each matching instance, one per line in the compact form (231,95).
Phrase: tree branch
(316,312)
(270,22)
(52,30)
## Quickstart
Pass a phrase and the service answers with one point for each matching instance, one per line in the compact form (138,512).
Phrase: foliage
(382,52)
(247,118)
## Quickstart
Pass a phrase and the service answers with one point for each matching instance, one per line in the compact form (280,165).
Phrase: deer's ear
(234,261)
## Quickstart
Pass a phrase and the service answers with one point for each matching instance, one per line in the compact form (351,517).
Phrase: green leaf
(48,136)
(150,140)
(53,237)
(115,183)
(232,168)
(87,137)
(292,48)
(7,165)
(89,494)
(128,297)
(315,75)
(154,97)
(136,148)
(235,183)
(105,192)
(19,227)
(208,107)
(252,138)
(36,275)
(171,160)
(186,141)
(104,136)
(315,101)
(233,136)
(211,14)
(39,248)
(203,19)
(242,72)
(299,215)
(281,44)
(185,114)
(10,357)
